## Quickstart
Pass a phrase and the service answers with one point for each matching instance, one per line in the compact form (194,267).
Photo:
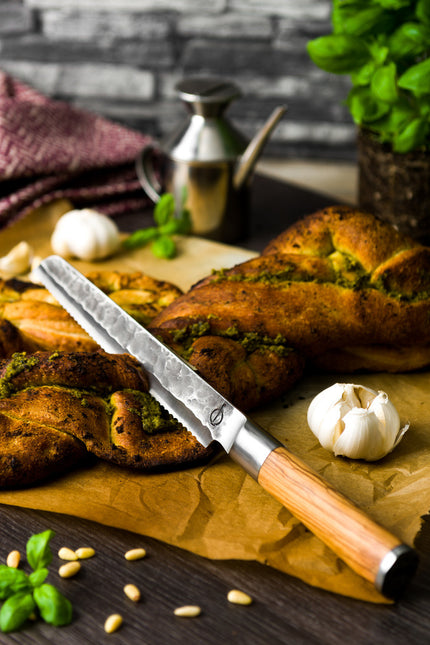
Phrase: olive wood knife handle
(370,550)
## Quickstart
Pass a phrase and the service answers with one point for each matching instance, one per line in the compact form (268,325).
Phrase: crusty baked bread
(31,319)
(338,288)
(57,408)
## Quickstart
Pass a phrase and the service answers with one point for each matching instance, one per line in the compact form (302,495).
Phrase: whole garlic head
(355,421)
(85,234)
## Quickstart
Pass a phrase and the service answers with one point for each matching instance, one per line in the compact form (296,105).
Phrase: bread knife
(369,549)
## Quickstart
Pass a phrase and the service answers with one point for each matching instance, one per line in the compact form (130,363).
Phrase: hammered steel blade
(173,382)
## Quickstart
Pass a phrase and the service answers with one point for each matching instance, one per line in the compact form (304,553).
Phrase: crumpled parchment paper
(220,512)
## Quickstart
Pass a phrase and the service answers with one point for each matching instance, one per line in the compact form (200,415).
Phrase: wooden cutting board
(195,259)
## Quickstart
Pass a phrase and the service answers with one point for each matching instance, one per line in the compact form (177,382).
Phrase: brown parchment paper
(218,511)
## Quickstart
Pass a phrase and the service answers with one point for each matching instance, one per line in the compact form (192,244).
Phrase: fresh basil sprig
(384,46)
(23,594)
(160,235)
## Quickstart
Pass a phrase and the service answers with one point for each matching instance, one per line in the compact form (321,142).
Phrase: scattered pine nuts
(132,592)
(13,559)
(239,597)
(112,623)
(135,554)
(67,554)
(69,569)
(188,611)
(85,552)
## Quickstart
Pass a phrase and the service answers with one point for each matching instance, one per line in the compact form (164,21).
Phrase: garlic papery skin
(85,234)
(355,421)
(17,261)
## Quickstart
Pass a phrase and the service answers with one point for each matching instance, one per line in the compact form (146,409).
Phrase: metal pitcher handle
(146,173)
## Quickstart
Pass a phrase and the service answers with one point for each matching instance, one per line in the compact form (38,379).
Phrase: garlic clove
(362,437)
(322,403)
(330,426)
(386,414)
(36,260)
(17,261)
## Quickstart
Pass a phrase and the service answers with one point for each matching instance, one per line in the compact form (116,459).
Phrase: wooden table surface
(284,610)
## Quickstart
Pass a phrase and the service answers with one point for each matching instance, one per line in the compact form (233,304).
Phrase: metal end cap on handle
(395,571)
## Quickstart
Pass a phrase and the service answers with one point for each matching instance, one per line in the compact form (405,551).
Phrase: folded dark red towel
(50,149)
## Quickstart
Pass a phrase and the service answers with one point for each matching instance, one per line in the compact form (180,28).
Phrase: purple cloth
(51,150)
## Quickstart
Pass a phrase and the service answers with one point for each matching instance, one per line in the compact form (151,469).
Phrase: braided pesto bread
(58,408)
(31,319)
(339,288)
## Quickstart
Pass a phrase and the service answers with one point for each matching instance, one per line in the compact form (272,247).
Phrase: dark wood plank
(284,609)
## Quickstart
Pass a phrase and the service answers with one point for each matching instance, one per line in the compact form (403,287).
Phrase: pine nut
(13,559)
(132,592)
(239,597)
(85,552)
(67,554)
(112,623)
(70,569)
(135,554)
(188,611)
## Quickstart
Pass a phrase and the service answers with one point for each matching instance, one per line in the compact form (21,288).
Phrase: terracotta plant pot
(395,187)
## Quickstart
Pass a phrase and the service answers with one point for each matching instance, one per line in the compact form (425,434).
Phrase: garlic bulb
(17,261)
(355,421)
(85,234)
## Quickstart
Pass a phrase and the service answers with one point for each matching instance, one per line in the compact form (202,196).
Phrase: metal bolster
(395,570)
(251,448)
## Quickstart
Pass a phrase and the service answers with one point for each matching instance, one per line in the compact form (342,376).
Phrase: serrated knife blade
(369,549)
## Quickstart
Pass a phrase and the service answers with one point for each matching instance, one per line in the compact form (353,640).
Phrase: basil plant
(384,45)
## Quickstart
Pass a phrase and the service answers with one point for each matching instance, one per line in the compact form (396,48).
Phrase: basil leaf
(184,222)
(37,577)
(413,136)
(54,608)
(15,611)
(417,78)
(408,41)
(140,238)
(170,228)
(397,118)
(364,75)
(364,21)
(383,84)
(379,51)
(164,247)
(164,209)
(394,4)
(38,551)
(12,581)
(364,107)
(422,11)
(423,106)
(337,53)
(342,11)
(180,225)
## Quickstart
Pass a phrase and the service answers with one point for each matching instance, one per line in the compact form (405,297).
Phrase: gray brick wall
(122,58)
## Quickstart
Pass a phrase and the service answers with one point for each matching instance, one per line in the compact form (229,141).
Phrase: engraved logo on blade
(216,416)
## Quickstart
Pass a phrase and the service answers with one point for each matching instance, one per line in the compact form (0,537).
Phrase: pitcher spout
(250,156)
